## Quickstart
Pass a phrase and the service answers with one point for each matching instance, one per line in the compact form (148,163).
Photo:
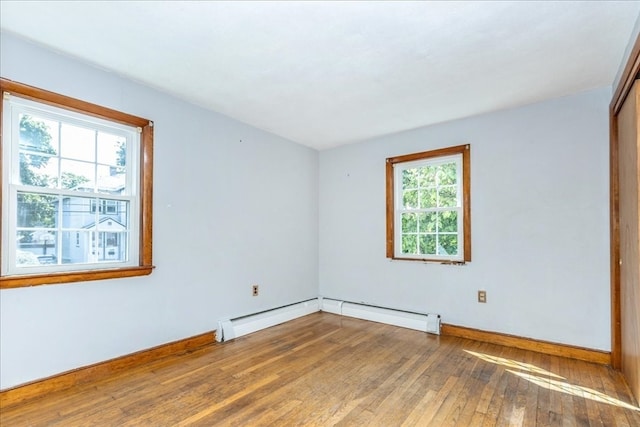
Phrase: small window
(428,206)
(76,190)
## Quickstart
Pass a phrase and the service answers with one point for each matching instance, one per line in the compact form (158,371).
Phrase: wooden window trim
(465,150)
(145,263)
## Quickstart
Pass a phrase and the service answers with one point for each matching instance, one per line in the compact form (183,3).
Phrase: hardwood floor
(324,370)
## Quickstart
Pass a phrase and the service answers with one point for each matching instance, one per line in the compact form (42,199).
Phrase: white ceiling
(330,73)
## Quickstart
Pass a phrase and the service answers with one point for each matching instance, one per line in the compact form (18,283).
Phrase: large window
(76,190)
(428,205)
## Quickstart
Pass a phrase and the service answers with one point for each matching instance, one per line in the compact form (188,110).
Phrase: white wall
(232,206)
(540,230)
(635,33)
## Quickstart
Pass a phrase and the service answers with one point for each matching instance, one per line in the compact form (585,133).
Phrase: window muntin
(75,177)
(428,212)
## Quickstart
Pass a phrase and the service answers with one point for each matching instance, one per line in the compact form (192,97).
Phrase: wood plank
(324,369)
(96,371)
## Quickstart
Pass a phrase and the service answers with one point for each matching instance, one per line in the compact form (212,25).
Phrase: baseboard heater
(229,329)
(405,319)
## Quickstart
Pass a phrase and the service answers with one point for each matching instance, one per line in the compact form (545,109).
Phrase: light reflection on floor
(513,364)
(551,381)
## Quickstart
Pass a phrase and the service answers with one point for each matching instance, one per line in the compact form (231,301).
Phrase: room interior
(269,170)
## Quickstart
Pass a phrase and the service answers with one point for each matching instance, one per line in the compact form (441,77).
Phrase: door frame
(629,75)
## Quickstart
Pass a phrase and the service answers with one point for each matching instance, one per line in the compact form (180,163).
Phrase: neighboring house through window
(76,190)
(428,205)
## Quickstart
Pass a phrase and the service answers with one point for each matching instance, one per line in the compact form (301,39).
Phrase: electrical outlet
(254,290)
(482,296)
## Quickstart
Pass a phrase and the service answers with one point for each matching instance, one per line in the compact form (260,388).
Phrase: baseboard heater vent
(405,319)
(229,329)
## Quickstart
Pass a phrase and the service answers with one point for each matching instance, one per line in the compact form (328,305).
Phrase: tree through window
(428,205)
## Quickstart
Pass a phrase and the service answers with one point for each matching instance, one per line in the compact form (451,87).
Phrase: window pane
(38,134)
(108,246)
(37,210)
(427,244)
(447,196)
(38,148)
(427,222)
(77,143)
(427,176)
(114,215)
(75,247)
(428,198)
(115,211)
(409,223)
(409,244)
(410,178)
(25,258)
(448,244)
(110,182)
(410,199)
(79,175)
(112,246)
(39,171)
(448,222)
(72,181)
(446,174)
(36,248)
(111,149)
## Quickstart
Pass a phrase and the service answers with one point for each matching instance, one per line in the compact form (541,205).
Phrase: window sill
(21,281)
(431,261)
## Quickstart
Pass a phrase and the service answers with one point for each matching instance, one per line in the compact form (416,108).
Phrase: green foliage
(446,174)
(34,210)
(427,243)
(35,138)
(70,180)
(448,244)
(122,154)
(410,244)
(426,188)
(28,176)
(430,186)
(447,221)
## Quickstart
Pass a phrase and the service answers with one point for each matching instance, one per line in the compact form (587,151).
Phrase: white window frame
(13,106)
(400,209)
